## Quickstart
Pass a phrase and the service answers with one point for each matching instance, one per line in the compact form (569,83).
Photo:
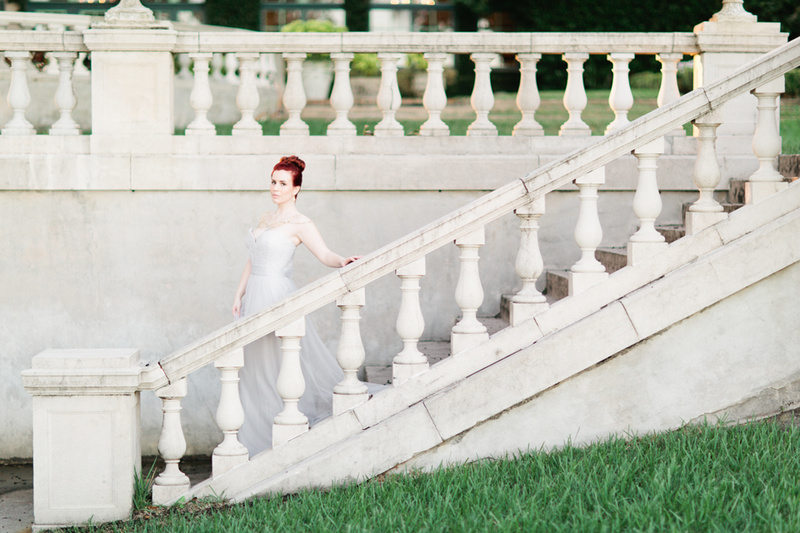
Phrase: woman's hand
(346,261)
(237,307)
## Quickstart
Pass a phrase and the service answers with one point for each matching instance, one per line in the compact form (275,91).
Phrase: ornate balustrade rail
(406,257)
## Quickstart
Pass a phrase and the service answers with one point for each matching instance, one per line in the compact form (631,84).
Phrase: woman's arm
(311,237)
(237,299)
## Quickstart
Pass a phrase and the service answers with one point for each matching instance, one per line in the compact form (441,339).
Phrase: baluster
(529,264)
(217,61)
(229,453)
(51,65)
(668,91)
(588,271)
(171,483)
(294,95)
(350,354)
(389,97)
(342,96)
(766,144)
(290,422)
(435,98)
(575,96)
(247,97)
(410,324)
(80,68)
(647,240)
(19,98)
(482,99)
(469,294)
(621,98)
(266,70)
(65,95)
(230,68)
(706,211)
(184,61)
(201,97)
(528,99)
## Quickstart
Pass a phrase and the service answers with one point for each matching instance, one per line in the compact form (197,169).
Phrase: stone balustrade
(463,228)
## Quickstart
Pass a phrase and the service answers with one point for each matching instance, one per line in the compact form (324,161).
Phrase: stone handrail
(475,215)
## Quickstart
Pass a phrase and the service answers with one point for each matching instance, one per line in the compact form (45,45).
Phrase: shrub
(365,65)
(793,83)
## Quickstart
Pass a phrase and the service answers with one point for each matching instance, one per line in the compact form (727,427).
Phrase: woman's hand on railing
(346,261)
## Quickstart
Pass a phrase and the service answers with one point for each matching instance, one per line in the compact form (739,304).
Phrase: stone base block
(402,372)
(580,281)
(163,494)
(638,251)
(221,464)
(282,433)
(460,342)
(697,222)
(519,312)
(755,191)
(345,402)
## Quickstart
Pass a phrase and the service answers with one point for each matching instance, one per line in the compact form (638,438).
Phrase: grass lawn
(551,115)
(699,478)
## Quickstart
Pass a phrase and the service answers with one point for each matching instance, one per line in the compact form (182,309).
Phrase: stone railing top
(474,215)
(53,21)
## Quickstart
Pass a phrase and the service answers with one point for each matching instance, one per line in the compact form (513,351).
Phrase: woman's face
(281,187)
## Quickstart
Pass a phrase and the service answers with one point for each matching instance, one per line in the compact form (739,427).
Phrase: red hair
(294,165)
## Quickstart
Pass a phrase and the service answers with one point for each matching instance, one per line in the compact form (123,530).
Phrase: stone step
(435,351)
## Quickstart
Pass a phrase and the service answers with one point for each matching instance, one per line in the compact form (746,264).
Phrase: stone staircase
(615,258)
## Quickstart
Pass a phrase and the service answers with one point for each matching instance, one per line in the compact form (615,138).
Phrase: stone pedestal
(132,90)
(86,435)
(732,38)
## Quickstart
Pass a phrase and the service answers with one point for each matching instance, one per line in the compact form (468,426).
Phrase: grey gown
(270,281)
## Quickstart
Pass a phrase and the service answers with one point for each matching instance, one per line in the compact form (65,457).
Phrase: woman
(266,280)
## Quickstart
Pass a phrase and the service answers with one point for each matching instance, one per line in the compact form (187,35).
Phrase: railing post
(217,62)
(65,95)
(482,99)
(229,453)
(341,96)
(621,98)
(469,294)
(350,354)
(201,97)
(294,95)
(389,97)
(575,96)
(290,422)
(86,435)
(588,271)
(528,99)
(706,211)
(529,264)
(171,482)
(231,64)
(435,98)
(247,97)
(647,240)
(19,97)
(668,91)
(766,144)
(410,324)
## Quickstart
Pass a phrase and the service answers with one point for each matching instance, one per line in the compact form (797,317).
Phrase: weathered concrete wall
(145,252)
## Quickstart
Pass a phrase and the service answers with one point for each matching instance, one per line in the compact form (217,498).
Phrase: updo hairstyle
(293,164)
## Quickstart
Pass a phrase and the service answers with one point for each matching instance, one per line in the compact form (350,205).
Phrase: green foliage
(793,83)
(313,25)
(416,62)
(698,478)
(233,13)
(143,488)
(365,65)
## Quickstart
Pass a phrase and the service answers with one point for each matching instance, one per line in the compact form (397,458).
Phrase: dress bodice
(271,253)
